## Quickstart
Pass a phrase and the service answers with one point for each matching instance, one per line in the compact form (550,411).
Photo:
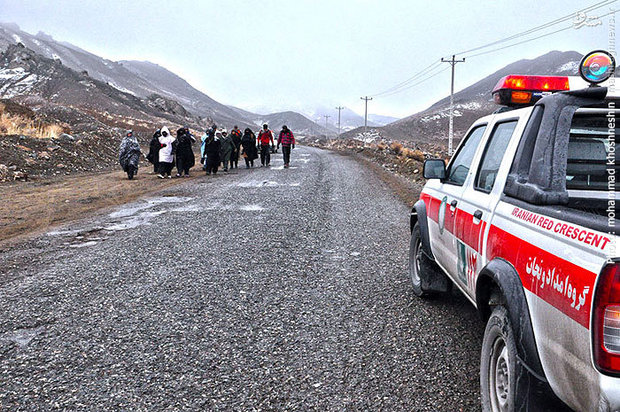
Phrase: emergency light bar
(518,90)
(521,90)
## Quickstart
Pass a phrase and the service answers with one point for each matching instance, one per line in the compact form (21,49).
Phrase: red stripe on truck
(560,283)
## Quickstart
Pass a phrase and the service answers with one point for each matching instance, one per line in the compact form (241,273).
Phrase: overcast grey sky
(273,55)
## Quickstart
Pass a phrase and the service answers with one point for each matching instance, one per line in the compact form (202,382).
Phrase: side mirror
(434,169)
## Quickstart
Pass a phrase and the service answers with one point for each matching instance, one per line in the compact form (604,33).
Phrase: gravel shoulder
(264,289)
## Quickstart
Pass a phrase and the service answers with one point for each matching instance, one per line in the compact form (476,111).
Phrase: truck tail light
(606,321)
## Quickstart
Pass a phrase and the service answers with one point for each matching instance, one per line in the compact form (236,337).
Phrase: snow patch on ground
(14,85)
(368,137)
(570,66)
(122,89)
(17,38)
(6,74)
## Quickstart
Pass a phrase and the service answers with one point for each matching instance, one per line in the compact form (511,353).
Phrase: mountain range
(36,69)
(144,81)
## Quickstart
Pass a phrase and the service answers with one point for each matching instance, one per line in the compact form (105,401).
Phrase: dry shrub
(397,148)
(381,146)
(414,154)
(16,124)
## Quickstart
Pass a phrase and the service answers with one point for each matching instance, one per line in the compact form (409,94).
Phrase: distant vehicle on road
(522,222)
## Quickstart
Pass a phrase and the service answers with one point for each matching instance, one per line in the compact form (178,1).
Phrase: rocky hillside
(431,125)
(37,80)
(139,78)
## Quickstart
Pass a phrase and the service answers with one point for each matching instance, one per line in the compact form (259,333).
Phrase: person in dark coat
(184,152)
(209,134)
(236,135)
(154,147)
(212,150)
(129,154)
(249,150)
(226,149)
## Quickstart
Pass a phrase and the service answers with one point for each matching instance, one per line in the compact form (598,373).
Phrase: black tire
(498,364)
(417,263)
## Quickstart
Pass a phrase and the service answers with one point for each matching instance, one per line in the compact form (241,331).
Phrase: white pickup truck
(521,220)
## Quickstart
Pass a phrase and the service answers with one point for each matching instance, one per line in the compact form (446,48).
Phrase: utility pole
(326,116)
(366,111)
(453,63)
(339,108)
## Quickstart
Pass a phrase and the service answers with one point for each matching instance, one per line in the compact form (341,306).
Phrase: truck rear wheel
(498,366)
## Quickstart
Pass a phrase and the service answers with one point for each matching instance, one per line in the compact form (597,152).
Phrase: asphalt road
(261,289)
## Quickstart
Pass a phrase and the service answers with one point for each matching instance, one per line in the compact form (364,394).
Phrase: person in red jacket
(287,140)
(265,143)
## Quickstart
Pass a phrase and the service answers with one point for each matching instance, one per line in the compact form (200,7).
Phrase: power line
(406,84)
(326,116)
(541,27)
(532,39)
(417,83)
(412,78)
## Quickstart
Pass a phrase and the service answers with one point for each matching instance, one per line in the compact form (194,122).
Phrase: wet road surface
(262,289)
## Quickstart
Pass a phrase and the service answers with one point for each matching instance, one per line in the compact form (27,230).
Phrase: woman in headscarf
(154,147)
(249,151)
(236,136)
(184,152)
(212,151)
(129,154)
(226,149)
(166,157)
(209,134)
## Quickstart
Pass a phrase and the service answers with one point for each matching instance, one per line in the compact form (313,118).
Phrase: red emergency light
(521,90)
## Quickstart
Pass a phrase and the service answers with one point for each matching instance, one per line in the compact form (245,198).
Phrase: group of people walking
(218,148)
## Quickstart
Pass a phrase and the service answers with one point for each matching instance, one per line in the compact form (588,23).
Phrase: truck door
(443,239)
(478,203)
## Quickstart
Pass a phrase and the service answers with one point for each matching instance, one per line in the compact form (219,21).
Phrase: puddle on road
(63,232)
(252,208)
(134,208)
(266,183)
(85,244)
(256,183)
(282,167)
(141,219)
(190,208)
(22,337)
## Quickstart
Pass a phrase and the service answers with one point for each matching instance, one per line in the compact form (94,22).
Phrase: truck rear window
(590,143)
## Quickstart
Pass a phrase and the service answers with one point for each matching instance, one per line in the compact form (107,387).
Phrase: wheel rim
(499,376)
(414,264)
